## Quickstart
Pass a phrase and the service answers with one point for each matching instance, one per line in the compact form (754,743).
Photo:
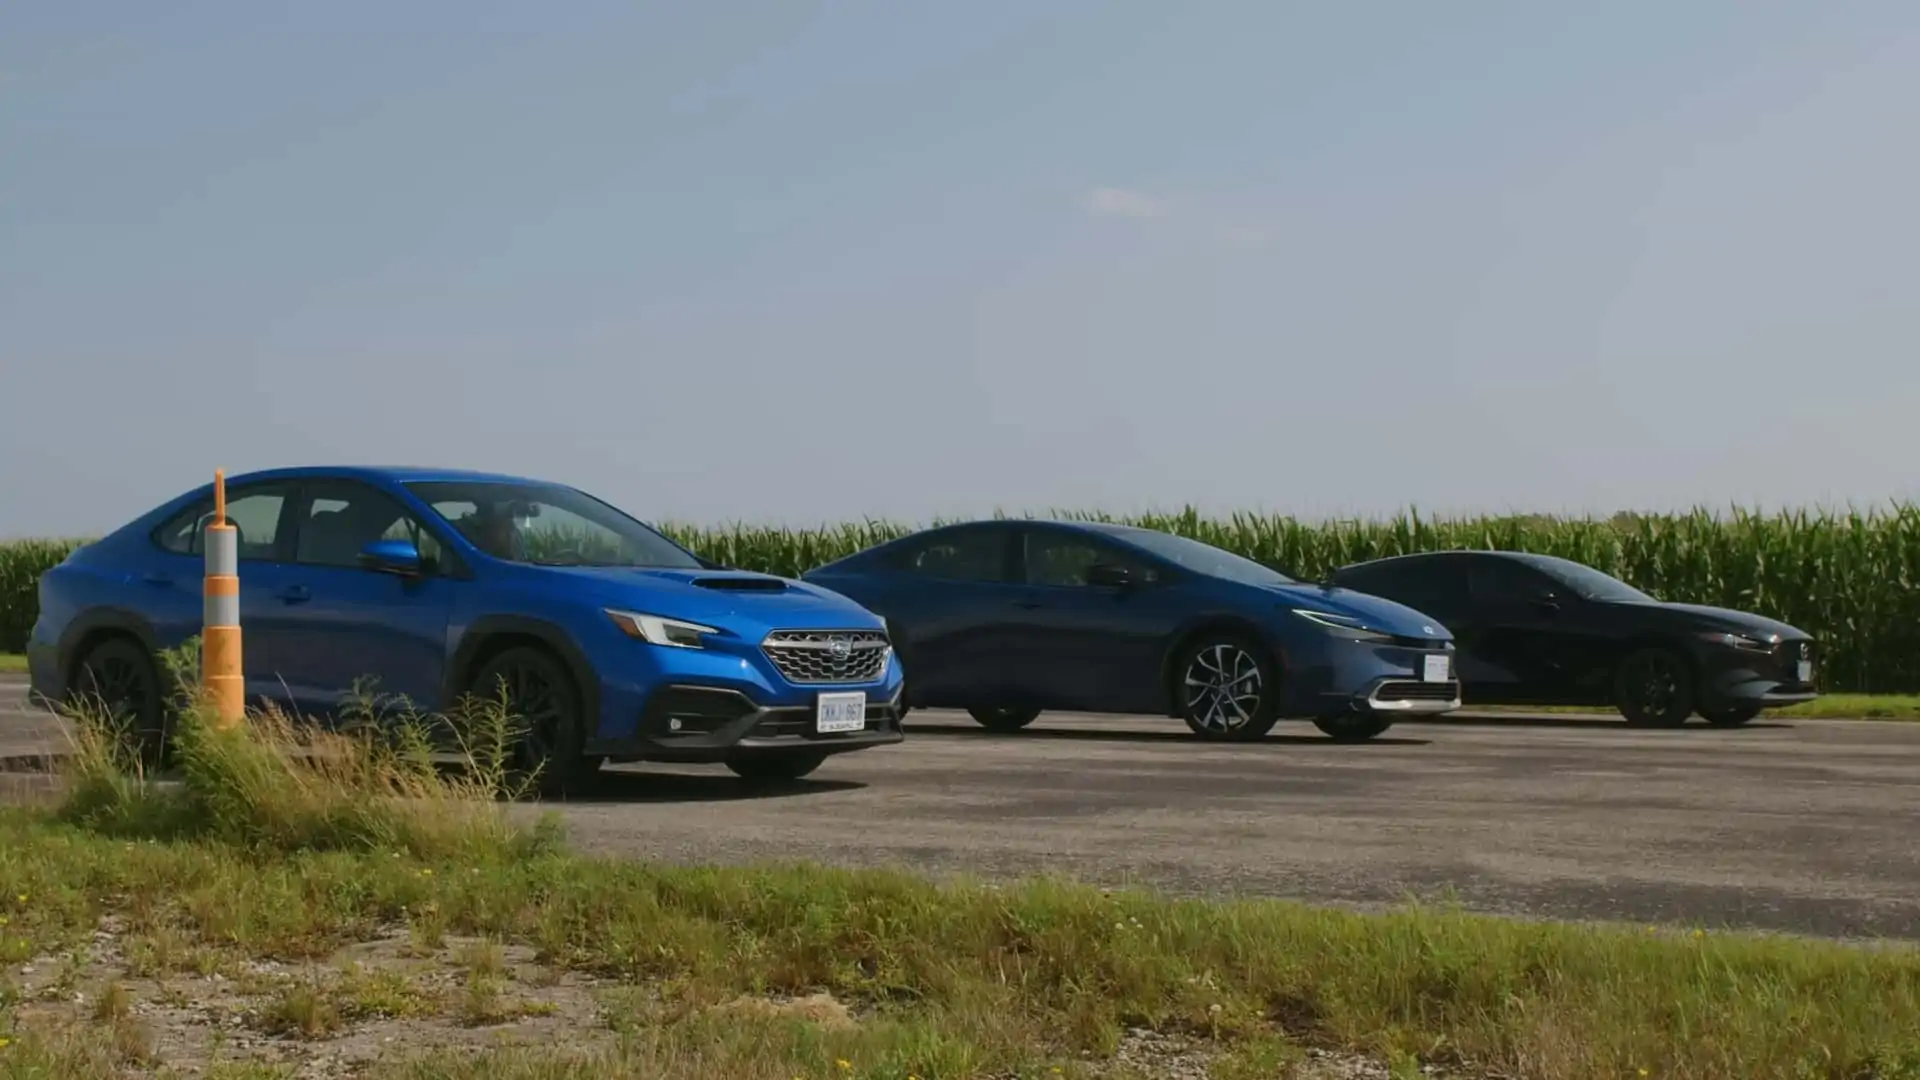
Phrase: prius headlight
(659,630)
(1345,626)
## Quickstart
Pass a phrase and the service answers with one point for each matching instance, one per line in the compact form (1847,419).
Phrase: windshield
(548,525)
(1588,583)
(1199,558)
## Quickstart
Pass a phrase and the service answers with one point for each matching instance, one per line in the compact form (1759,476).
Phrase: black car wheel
(1354,726)
(775,768)
(1654,688)
(118,684)
(1729,715)
(545,705)
(1228,689)
(1004,719)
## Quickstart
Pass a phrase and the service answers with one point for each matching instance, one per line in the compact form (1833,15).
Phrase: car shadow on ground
(1176,735)
(1583,723)
(631,784)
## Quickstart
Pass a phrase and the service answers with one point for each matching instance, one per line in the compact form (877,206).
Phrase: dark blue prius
(1006,619)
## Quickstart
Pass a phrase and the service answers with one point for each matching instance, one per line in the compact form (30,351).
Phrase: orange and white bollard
(221,673)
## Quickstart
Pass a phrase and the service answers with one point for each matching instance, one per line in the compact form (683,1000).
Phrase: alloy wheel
(1655,689)
(534,701)
(1222,688)
(118,680)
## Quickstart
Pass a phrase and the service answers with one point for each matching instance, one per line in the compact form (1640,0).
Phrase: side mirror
(1108,576)
(392,557)
(1547,600)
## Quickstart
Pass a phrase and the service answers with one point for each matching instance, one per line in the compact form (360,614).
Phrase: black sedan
(1537,630)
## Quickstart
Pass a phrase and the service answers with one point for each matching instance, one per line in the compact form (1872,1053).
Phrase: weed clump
(383,777)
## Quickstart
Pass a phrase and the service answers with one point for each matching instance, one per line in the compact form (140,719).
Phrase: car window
(1504,581)
(549,525)
(254,512)
(342,518)
(958,555)
(1435,586)
(1062,559)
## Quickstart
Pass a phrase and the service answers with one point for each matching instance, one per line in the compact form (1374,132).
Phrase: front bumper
(1410,697)
(696,724)
(1739,677)
(1332,677)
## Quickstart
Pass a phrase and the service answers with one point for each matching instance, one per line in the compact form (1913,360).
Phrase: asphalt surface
(1802,826)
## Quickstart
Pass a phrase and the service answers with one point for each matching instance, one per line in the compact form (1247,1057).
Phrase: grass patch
(247,886)
(12,664)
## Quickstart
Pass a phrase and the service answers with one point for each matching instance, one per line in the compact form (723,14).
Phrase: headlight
(1740,641)
(1344,625)
(655,630)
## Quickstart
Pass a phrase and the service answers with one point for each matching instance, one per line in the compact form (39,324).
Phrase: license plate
(1435,668)
(1806,671)
(840,712)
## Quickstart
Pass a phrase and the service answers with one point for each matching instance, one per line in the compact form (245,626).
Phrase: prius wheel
(1654,689)
(119,686)
(1229,690)
(544,705)
(1729,715)
(1353,726)
(776,768)
(1005,719)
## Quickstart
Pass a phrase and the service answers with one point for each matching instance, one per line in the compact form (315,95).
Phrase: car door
(171,584)
(949,599)
(1524,633)
(1435,585)
(340,631)
(1084,646)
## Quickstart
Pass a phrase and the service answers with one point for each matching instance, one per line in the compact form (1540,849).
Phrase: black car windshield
(1199,558)
(1588,583)
(548,525)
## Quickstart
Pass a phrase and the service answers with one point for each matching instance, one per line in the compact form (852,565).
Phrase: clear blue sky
(777,261)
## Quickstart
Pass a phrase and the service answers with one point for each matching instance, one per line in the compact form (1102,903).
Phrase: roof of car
(402,474)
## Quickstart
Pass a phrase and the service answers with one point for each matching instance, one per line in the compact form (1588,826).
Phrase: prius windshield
(1198,558)
(548,525)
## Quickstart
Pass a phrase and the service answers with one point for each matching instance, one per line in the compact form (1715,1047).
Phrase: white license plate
(1435,668)
(1806,671)
(840,712)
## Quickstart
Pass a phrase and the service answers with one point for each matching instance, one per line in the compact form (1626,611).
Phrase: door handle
(160,581)
(1027,605)
(296,594)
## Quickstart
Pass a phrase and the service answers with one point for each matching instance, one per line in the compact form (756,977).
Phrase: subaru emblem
(840,647)
(1428,630)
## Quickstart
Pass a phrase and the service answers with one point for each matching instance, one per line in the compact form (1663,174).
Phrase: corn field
(1849,579)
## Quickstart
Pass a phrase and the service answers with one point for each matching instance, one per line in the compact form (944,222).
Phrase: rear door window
(977,554)
(1437,587)
(256,513)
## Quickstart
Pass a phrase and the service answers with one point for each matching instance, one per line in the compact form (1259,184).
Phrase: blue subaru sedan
(1006,619)
(609,640)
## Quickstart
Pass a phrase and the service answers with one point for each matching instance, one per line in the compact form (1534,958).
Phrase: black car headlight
(1744,642)
(1345,626)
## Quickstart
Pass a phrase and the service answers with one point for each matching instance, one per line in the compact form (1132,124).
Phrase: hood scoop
(741,584)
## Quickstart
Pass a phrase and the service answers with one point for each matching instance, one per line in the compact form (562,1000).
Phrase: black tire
(117,681)
(1654,688)
(546,703)
(1353,727)
(1728,715)
(1227,688)
(1004,720)
(784,767)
